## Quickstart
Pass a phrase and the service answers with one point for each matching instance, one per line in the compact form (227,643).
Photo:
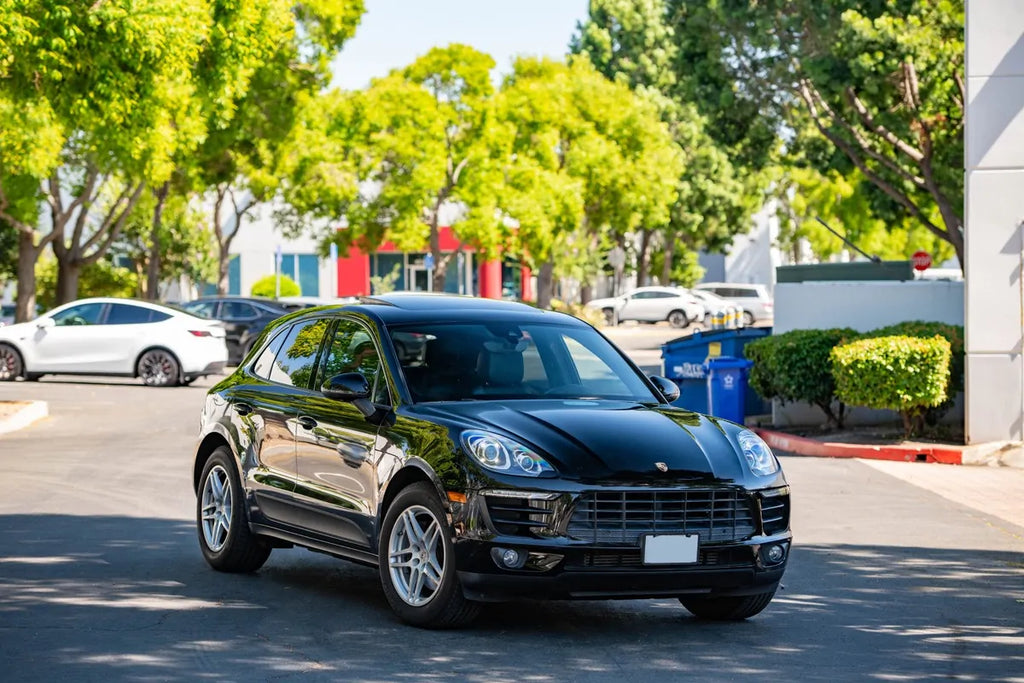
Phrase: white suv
(757,304)
(652,304)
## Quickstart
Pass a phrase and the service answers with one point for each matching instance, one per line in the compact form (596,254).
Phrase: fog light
(775,554)
(508,558)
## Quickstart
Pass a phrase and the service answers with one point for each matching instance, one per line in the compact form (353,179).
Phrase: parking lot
(101,578)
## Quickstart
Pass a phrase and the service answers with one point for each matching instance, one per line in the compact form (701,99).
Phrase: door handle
(242,408)
(306,422)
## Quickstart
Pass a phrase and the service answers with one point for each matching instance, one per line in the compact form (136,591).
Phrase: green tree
(881,81)
(84,96)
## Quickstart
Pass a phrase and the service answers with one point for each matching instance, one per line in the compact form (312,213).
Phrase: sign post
(428,261)
(334,267)
(277,272)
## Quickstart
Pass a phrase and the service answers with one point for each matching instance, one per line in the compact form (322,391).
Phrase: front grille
(520,516)
(621,517)
(742,556)
(775,513)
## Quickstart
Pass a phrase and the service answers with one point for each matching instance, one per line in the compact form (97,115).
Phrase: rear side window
(82,314)
(296,361)
(265,362)
(203,309)
(237,310)
(124,314)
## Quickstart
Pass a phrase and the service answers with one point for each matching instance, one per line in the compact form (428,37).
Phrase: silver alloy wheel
(416,556)
(677,319)
(10,364)
(157,368)
(216,515)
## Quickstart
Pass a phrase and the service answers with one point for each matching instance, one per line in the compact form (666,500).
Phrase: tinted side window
(124,314)
(666,295)
(237,310)
(265,362)
(295,363)
(203,309)
(352,350)
(84,314)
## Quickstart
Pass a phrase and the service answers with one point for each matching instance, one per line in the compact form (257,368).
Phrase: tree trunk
(440,269)
(28,254)
(223,263)
(153,267)
(586,293)
(643,259)
(545,284)
(68,272)
(670,253)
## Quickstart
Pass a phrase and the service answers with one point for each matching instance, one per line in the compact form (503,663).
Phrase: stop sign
(921,260)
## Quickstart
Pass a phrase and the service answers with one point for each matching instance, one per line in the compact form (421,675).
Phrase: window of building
(305,270)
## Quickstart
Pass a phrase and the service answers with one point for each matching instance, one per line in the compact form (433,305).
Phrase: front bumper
(557,562)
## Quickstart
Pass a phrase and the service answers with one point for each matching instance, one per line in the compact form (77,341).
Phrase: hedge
(796,366)
(954,334)
(903,373)
(266,286)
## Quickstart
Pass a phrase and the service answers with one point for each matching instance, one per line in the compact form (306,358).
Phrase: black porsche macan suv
(508,452)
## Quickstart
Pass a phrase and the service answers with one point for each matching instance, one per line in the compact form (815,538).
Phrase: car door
(76,341)
(264,407)
(237,316)
(336,457)
(634,306)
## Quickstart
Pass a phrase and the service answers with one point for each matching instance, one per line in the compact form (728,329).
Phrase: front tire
(609,316)
(678,319)
(748,318)
(417,562)
(11,365)
(224,536)
(158,368)
(735,608)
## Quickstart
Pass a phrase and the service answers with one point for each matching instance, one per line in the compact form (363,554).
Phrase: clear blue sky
(393,33)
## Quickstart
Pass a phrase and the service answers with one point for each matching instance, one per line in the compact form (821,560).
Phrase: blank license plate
(670,549)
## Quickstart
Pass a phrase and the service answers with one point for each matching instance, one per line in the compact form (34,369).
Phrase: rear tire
(678,319)
(734,608)
(158,368)
(224,536)
(417,562)
(11,365)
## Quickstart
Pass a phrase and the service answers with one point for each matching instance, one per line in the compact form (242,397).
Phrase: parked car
(523,456)
(756,302)
(294,303)
(105,336)
(243,317)
(714,304)
(652,304)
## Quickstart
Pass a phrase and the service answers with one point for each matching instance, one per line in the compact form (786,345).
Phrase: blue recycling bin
(727,387)
(684,363)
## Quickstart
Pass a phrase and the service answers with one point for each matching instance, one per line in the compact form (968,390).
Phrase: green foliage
(268,287)
(587,315)
(908,374)
(686,269)
(8,251)
(382,284)
(795,366)
(98,279)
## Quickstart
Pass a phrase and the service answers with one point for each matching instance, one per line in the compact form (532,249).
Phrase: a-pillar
(490,279)
(994,156)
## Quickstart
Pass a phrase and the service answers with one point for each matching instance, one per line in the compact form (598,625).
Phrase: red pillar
(526,278)
(354,274)
(490,279)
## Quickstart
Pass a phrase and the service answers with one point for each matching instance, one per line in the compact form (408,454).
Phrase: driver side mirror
(43,323)
(350,387)
(668,388)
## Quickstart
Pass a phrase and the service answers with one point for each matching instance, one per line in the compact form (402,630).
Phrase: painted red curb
(948,455)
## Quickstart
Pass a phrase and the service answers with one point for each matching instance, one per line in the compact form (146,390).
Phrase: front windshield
(490,361)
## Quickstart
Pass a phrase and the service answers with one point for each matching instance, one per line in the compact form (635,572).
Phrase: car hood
(608,440)
(17,331)
(604,303)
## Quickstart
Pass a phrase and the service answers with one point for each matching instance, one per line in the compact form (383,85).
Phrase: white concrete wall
(752,257)
(994,212)
(865,306)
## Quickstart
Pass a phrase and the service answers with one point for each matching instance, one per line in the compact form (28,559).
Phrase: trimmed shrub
(954,334)
(265,286)
(907,374)
(796,366)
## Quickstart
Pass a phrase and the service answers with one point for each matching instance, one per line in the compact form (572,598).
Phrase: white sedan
(106,336)
(651,304)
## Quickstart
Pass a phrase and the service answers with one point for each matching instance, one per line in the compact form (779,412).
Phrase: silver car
(756,302)
(652,304)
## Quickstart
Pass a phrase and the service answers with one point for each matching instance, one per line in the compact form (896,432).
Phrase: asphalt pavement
(891,578)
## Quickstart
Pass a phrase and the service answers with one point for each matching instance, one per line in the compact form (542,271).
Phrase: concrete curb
(949,455)
(32,411)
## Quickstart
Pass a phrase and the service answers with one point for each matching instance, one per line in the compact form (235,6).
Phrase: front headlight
(759,456)
(503,455)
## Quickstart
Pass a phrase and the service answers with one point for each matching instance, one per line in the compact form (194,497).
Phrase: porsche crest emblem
(661,466)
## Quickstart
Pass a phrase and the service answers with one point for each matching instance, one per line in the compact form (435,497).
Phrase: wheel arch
(207,446)
(415,470)
(17,350)
(154,347)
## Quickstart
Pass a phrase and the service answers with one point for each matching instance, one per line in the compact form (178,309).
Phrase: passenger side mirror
(350,387)
(668,388)
(43,323)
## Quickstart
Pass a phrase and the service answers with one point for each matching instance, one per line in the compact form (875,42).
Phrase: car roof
(410,307)
(120,300)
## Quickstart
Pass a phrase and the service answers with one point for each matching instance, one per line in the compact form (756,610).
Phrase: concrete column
(490,279)
(994,213)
